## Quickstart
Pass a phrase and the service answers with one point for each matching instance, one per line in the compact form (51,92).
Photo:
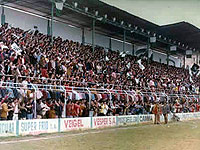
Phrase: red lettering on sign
(110,122)
(113,120)
(100,121)
(76,123)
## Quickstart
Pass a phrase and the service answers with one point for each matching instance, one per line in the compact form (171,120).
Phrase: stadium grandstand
(75,58)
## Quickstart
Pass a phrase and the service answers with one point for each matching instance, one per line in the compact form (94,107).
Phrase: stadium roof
(181,32)
(101,7)
(184,32)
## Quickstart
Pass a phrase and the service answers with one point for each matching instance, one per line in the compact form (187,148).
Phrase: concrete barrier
(39,126)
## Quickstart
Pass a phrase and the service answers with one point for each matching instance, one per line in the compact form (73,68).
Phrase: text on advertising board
(7,127)
(76,123)
(101,122)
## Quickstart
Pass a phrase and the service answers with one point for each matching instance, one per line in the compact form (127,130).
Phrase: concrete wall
(157,56)
(27,21)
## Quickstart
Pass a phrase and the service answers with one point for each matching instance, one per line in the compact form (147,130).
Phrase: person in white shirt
(25,84)
(16,109)
(44,107)
(105,108)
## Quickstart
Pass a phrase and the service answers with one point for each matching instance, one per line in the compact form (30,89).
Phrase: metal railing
(84,84)
(120,95)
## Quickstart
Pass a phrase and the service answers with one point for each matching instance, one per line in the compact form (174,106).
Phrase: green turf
(174,136)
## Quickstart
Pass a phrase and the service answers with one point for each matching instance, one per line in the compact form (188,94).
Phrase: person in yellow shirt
(52,112)
(5,110)
(101,108)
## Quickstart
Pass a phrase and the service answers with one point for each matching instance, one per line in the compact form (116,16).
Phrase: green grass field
(174,136)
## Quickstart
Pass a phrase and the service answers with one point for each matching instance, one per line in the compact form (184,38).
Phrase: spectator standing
(101,109)
(59,108)
(29,107)
(165,111)
(69,109)
(156,111)
(5,110)
(105,108)
(22,111)
(15,105)
(159,111)
(39,109)
(11,112)
(77,109)
(52,112)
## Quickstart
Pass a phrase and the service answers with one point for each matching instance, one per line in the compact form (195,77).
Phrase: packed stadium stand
(42,79)
(71,64)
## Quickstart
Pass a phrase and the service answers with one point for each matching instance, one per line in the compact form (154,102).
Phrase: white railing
(87,90)
(85,83)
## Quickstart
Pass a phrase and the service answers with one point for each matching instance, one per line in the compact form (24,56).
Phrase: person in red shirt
(77,109)
(178,107)
(69,109)
(197,107)
(44,72)
(12,57)
(73,111)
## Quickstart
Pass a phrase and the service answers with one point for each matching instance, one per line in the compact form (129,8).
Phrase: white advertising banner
(188,116)
(145,118)
(185,116)
(75,123)
(123,120)
(196,115)
(35,127)
(101,122)
(7,128)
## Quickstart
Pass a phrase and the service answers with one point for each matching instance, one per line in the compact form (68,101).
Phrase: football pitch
(174,136)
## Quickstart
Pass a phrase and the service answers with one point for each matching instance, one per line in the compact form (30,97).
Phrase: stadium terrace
(45,76)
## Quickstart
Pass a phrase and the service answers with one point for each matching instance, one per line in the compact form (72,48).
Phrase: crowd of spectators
(117,83)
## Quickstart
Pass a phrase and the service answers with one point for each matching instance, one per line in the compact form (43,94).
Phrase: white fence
(78,93)
(39,126)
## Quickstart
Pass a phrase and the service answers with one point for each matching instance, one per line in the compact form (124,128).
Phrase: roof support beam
(2,16)
(83,36)
(168,57)
(52,15)
(124,40)
(148,48)
(48,28)
(93,34)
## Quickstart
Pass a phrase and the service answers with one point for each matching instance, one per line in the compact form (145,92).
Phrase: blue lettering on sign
(53,126)
(43,125)
(7,127)
(145,118)
(128,119)
(28,126)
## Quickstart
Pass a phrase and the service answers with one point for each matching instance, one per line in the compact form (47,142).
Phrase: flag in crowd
(141,51)
(122,54)
(140,64)
(16,48)
(107,59)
